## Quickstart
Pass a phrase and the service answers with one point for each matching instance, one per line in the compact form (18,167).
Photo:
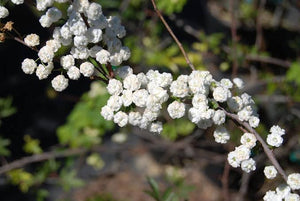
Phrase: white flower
(219,117)
(144,123)
(283,190)
(143,79)
(80,53)
(233,160)
(123,71)
(176,110)
(28,66)
(127,97)
(239,83)
(80,41)
(150,114)
(114,102)
(244,114)
(17,2)
(254,121)
(3,12)
(274,140)
(114,87)
(94,35)
(46,54)
(153,103)
(32,40)
(53,44)
(242,152)
(139,97)
(135,118)
(54,14)
(94,50)
(179,89)
(103,56)
(60,83)
(42,72)
(248,165)
(249,140)
(226,83)
(67,61)
(87,69)
(160,93)
(131,82)
(294,181)
(156,127)
(235,103)
(94,11)
(121,118)
(221,135)
(194,115)
(221,94)
(271,196)
(41,5)
(292,197)
(270,172)
(107,113)
(45,21)
(73,73)
(277,130)
(119,138)
(199,101)
(247,99)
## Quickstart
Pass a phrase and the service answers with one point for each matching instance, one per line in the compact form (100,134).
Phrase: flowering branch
(268,152)
(173,35)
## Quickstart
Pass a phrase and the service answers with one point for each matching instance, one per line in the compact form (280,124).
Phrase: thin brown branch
(173,35)
(269,60)
(267,151)
(234,39)
(85,20)
(259,31)
(40,157)
(224,181)
(99,78)
(23,43)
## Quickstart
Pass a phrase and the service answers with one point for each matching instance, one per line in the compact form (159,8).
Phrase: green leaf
(154,188)
(32,146)
(293,74)
(3,144)
(69,180)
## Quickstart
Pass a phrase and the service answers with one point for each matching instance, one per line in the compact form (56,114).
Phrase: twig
(259,33)
(99,78)
(234,39)
(173,35)
(40,157)
(84,20)
(224,181)
(269,60)
(23,43)
(267,151)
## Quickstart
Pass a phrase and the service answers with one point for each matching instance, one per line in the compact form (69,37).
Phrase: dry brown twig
(188,61)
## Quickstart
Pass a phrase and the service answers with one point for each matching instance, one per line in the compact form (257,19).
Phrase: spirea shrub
(94,43)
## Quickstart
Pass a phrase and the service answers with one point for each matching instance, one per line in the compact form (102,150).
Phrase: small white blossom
(103,56)
(139,97)
(239,83)
(29,66)
(283,190)
(73,73)
(53,44)
(94,11)
(235,103)
(67,61)
(32,40)
(247,99)
(233,159)
(221,135)
(271,196)
(248,165)
(42,72)
(254,121)
(221,94)
(199,101)
(54,14)
(114,87)
(87,69)
(292,197)
(277,130)
(46,54)
(45,21)
(249,140)
(123,71)
(156,127)
(60,83)
(127,97)
(176,110)
(294,181)
(107,113)
(131,82)
(143,79)
(219,117)
(270,172)
(274,140)
(134,118)
(150,114)
(244,114)
(17,2)
(3,12)
(179,89)
(114,102)
(226,83)
(121,118)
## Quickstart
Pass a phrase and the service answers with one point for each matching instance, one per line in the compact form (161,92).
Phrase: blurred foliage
(102,197)
(85,125)
(177,128)
(21,178)
(4,151)
(6,108)
(177,189)
(32,146)
(169,7)
(68,179)
(95,161)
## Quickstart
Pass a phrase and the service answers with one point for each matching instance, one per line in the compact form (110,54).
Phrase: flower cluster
(275,137)
(282,192)
(87,33)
